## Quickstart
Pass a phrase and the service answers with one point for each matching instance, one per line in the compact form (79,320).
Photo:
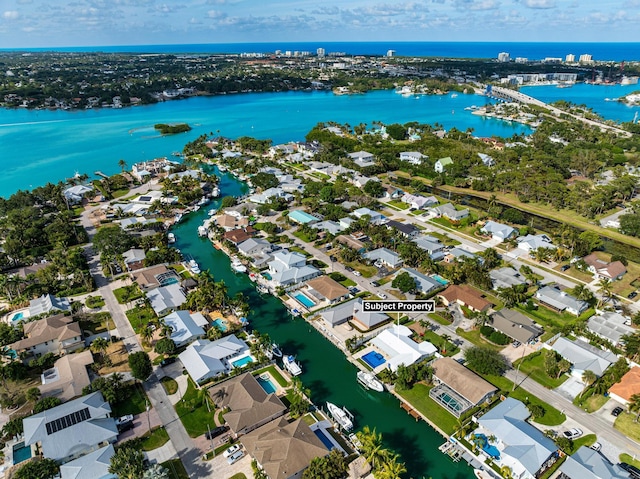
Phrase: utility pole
(213,450)
(148,418)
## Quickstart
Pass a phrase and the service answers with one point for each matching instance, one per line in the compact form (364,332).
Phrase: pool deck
(372,349)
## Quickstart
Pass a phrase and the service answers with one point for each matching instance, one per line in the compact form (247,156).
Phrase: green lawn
(587,440)
(627,425)
(365,270)
(176,469)
(297,249)
(94,302)
(348,282)
(533,365)
(444,239)
(170,385)
(591,403)
(275,374)
(551,319)
(140,316)
(136,403)
(474,337)
(418,397)
(398,204)
(157,438)
(624,457)
(437,341)
(128,293)
(439,319)
(303,237)
(193,412)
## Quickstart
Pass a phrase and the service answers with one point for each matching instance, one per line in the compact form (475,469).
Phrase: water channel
(326,372)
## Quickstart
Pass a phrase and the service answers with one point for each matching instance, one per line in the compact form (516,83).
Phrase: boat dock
(100,173)
(412,412)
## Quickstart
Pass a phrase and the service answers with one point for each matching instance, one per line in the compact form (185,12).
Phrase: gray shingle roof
(589,464)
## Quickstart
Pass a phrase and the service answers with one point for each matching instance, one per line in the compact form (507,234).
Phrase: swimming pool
(325,440)
(21,453)
(18,316)
(374,359)
(493,451)
(267,385)
(440,279)
(304,300)
(238,363)
(220,324)
(168,281)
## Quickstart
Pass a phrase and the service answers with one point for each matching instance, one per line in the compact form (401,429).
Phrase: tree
(42,469)
(127,463)
(373,188)
(112,240)
(332,466)
(33,394)
(156,472)
(588,378)
(228,202)
(46,403)
(165,346)
(140,365)
(122,164)
(100,345)
(634,405)
(564,443)
(563,367)
(485,360)
(537,411)
(392,468)
(264,180)
(404,282)
(372,447)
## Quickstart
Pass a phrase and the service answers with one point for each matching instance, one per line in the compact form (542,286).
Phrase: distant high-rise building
(320,52)
(570,58)
(391,53)
(522,60)
(586,58)
(504,57)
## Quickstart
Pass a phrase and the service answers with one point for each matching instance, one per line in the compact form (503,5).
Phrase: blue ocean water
(41,146)
(530,50)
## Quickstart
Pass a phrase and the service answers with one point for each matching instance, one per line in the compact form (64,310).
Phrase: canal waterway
(326,371)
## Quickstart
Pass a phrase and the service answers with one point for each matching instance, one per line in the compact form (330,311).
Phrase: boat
(202,230)
(171,238)
(369,381)
(481,474)
(178,217)
(454,95)
(237,266)
(275,350)
(340,414)
(291,365)
(212,211)
(194,267)
(215,192)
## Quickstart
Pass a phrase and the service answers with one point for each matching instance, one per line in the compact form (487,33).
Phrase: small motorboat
(369,381)
(340,414)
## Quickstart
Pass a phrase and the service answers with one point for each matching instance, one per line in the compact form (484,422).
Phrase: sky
(68,23)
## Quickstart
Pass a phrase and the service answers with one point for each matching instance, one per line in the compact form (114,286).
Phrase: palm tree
(392,468)
(634,405)
(588,378)
(100,345)
(33,394)
(146,334)
(122,164)
(372,449)
(445,339)
(604,287)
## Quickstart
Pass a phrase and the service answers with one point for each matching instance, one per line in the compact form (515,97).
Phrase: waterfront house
(586,463)
(603,269)
(400,349)
(425,284)
(154,276)
(583,356)
(94,465)
(498,231)
(326,289)
(560,301)
(302,217)
(230,222)
(267,195)
(518,444)
(290,268)
(55,334)
(362,158)
(165,299)
(385,256)
(392,192)
(284,449)
(407,230)
(72,429)
(238,236)
(506,277)
(533,242)
(134,259)
(352,311)
(374,216)
(413,157)
(515,325)
(458,389)
(611,326)
(441,164)
(629,385)
(48,303)
(68,376)
(464,295)
(448,211)
(204,359)
(249,405)
(258,249)
(76,194)
(185,326)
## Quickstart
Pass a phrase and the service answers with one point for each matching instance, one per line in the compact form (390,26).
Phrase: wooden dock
(100,173)
(415,414)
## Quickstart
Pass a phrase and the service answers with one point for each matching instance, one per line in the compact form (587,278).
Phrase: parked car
(632,294)
(123,419)
(167,361)
(516,344)
(572,433)
(235,457)
(616,411)
(216,431)
(232,450)
(348,268)
(124,426)
(565,267)
(354,290)
(382,296)
(357,273)
(375,284)
(633,470)
(596,446)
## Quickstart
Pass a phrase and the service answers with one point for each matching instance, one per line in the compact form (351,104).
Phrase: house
(302,217)
(374,216)
(392,193)
(441,165)
(602,269)
(165,299)
(627,386)
(76,194)
(47,303)
(464,295)
(419,202)
(72,429)
(583,356)
(362,158)
(385,256)
(611,326)
(94,465)
(400,349)
(230,222)
(515,325)
(454,381)
(352,311)
(284,449)
(55,334)
(521,447)
(506,277)
(407,230)
(351,242)
(249,405)
(239,235)
(413,157)
(498,231)
(258,249)
(271,193)
(431,245)
(154,276)
(290,268)
(327,289)
(134,259)
(487,160)
(68,376)
(425,284)
(346,222)
(185,326)
(204,359)
(329,226)
(533,242)
(459,254)
(448,211)
(560,301)
(360,181)
(586,463)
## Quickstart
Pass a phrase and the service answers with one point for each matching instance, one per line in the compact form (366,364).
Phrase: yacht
(171,238)
(291,365)
(275,350)
(194,267)
(454,95)
(202,230)
(178,217)
(215,192)
(341,416)
(237,266)
(369,381)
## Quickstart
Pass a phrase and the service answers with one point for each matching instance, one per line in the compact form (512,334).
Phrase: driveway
(220,468)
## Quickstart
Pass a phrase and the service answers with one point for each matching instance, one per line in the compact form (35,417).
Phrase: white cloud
(10,14)
(542,4)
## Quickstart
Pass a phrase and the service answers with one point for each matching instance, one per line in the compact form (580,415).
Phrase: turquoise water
(267,385)
(440,279)
(168,281)
(17,316)
(373,359)
(21,453)
(304,300)
(41,146)
(242,362)
(493,451)
(220,324)
(327,373)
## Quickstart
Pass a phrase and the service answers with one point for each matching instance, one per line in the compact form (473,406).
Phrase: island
(171,129)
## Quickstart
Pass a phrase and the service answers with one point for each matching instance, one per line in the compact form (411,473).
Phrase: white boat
(171,238)
(194,267)
(275,350)
(454,95)
(215,192)
(291,365)
(212,211)
(369,381)
(237,266)
(202,231)
(341,416)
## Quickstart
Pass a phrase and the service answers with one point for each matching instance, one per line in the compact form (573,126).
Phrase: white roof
(184,328)
(166,297)
(92,466)
(204,359)
(401,349)
(583,356)
(610,325)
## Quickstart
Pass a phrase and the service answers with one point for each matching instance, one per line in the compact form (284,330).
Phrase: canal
(326,372)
